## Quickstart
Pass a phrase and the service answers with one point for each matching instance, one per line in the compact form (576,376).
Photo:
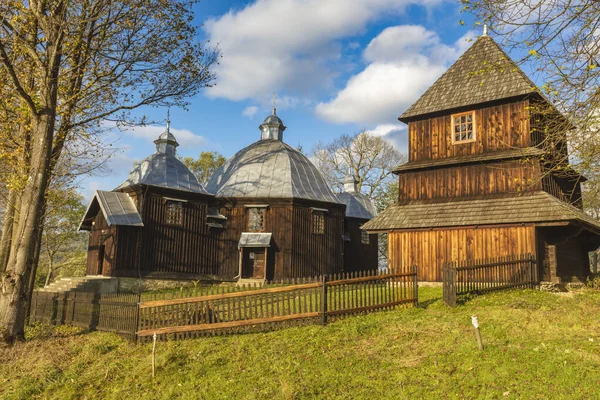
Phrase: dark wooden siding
(429,249)
(166,250)
(470,180)
(101,235)
(499,127)
(359,256)
(316,254)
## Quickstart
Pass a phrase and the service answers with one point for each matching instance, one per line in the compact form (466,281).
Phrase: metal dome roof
(163,169)
(272,169)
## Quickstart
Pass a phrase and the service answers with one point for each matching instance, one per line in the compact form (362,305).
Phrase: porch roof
(514,208)
(117,208)
(255,239)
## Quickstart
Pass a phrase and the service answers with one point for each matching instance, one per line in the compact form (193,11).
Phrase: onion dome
(269,168)
(358,205)
(163,168)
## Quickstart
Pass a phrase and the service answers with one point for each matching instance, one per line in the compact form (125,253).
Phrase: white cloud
(404,61)
(250,111)
(289,45)
(396,134)
(185,137)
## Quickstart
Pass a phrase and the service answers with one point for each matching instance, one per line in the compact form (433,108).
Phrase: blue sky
(338,66)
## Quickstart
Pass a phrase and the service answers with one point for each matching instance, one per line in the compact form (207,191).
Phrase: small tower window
(364,237)
(318,222)
(256,219)
(463,128)
(174,213)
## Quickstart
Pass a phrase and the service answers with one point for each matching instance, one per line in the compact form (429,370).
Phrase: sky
(337,66)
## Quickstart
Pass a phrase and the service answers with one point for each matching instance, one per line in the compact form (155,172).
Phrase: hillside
(538,345)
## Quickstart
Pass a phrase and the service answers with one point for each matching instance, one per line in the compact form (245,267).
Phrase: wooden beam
(223,325)
(160,303)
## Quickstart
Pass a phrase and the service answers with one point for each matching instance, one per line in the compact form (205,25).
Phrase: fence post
(324,301)
(449,284)
(137,316)
(415,285)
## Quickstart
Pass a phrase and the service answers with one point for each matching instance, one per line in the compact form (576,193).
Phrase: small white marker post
(153,353)
(475,323)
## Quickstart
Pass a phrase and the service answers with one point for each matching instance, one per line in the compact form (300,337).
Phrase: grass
(538,345)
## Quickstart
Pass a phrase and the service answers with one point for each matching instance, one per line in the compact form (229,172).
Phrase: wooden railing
(480,276)
(262,308)
(229,309)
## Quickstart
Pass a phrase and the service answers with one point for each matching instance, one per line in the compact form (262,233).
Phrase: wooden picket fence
(104,312)
(217,310)
(481,276)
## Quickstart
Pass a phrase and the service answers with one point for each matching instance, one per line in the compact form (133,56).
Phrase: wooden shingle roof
(532,207)
(482,74)
(470,159)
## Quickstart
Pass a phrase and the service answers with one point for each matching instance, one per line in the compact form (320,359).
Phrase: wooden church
(481,181)
(266,214)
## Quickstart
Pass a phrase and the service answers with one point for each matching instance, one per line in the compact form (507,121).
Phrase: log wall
(498,127)
(430,249)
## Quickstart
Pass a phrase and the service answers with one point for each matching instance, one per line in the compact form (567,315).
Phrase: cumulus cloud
(250,111)
(185,137)
(403,61)
(289,45)
(396,134)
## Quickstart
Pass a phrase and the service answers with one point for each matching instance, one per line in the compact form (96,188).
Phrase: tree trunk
(14,284)
(34,264)
(7,229)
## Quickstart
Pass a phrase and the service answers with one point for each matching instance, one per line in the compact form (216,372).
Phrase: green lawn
(538,345)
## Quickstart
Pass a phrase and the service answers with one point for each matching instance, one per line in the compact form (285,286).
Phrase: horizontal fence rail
(219,310)
(481,276)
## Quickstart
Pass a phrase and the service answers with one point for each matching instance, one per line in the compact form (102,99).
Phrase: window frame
(318,222)
(259,211)
(365,238)
(174,218)
(453,127)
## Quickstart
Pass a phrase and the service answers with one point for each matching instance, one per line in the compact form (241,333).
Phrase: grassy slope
(538,345)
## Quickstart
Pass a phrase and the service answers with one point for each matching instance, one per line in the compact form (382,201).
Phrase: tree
(558,42)
(371,160)
(62,246)
(205,165)
(71,65)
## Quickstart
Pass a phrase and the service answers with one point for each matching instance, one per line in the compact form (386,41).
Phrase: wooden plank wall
(359,256)
(430,249)
(500,127)
(470,180)
(315,254)
(572,259)
(101,234)
(190,248)
(277,221)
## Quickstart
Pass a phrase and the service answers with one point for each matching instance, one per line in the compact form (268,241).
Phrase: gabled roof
(482,74)
(117,208)
(532,207)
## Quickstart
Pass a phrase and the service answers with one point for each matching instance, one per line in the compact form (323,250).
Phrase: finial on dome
(272,127)
(350,183)
(169,119)
(485,29)
(166,142)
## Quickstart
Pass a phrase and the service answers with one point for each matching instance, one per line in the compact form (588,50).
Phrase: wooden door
(100,259)
(254,263)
